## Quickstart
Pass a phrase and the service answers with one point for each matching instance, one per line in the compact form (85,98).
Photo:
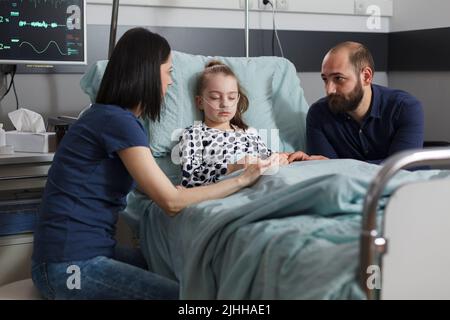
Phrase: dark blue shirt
(394,122)
(87,186)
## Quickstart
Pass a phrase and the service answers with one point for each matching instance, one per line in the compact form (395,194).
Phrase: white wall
(432,88)
(213,18)
(341,7)
(420,14)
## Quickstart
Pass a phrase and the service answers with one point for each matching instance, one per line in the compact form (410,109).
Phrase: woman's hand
(283,158)
(254,169)
(247,160)
(172,199)
(241,164)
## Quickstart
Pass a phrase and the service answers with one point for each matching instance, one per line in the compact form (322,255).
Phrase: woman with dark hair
(97,163)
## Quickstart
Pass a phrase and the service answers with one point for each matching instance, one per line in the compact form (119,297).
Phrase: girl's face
(219,100)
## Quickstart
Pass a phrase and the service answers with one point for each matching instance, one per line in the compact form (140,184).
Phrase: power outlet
(262,6)
(281,5)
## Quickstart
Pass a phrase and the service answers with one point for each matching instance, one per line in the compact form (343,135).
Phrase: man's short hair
(358,54)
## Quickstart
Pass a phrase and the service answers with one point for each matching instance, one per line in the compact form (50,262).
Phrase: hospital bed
(295,234)
(406,256)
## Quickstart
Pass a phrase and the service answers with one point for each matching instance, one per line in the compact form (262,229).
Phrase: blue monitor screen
(42,31)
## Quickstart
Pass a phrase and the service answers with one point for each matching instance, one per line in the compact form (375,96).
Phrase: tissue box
(31,142)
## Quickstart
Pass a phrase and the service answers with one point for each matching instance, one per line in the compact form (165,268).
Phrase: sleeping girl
(222,143)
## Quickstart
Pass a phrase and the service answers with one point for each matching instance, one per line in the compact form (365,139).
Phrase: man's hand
(318,157)
(301,156)
(298,156)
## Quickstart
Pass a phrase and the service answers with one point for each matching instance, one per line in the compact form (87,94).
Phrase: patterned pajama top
(205,152)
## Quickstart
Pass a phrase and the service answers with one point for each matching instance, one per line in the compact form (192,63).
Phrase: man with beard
(358,119)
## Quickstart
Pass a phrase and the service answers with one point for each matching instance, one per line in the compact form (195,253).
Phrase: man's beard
(340,104)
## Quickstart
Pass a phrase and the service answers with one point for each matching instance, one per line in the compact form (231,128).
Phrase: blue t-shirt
(395,122)
(87,186)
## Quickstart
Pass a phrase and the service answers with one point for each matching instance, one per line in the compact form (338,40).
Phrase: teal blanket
(293,235)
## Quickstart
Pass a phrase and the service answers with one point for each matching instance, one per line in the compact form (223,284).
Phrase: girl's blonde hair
(216,67)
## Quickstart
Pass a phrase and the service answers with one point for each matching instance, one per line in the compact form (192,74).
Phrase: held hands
(255,167)
(281,159)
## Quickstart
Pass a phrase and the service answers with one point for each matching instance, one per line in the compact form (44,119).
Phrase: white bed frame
(409,256)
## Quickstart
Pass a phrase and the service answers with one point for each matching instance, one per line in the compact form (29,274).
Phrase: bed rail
(372,242)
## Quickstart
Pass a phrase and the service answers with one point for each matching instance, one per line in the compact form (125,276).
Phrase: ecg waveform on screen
(45,49)
(40,24)
(43,30)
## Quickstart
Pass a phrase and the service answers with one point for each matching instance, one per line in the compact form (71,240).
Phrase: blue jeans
(103,278)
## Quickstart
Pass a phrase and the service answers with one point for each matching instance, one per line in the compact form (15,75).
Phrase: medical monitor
(43,32)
